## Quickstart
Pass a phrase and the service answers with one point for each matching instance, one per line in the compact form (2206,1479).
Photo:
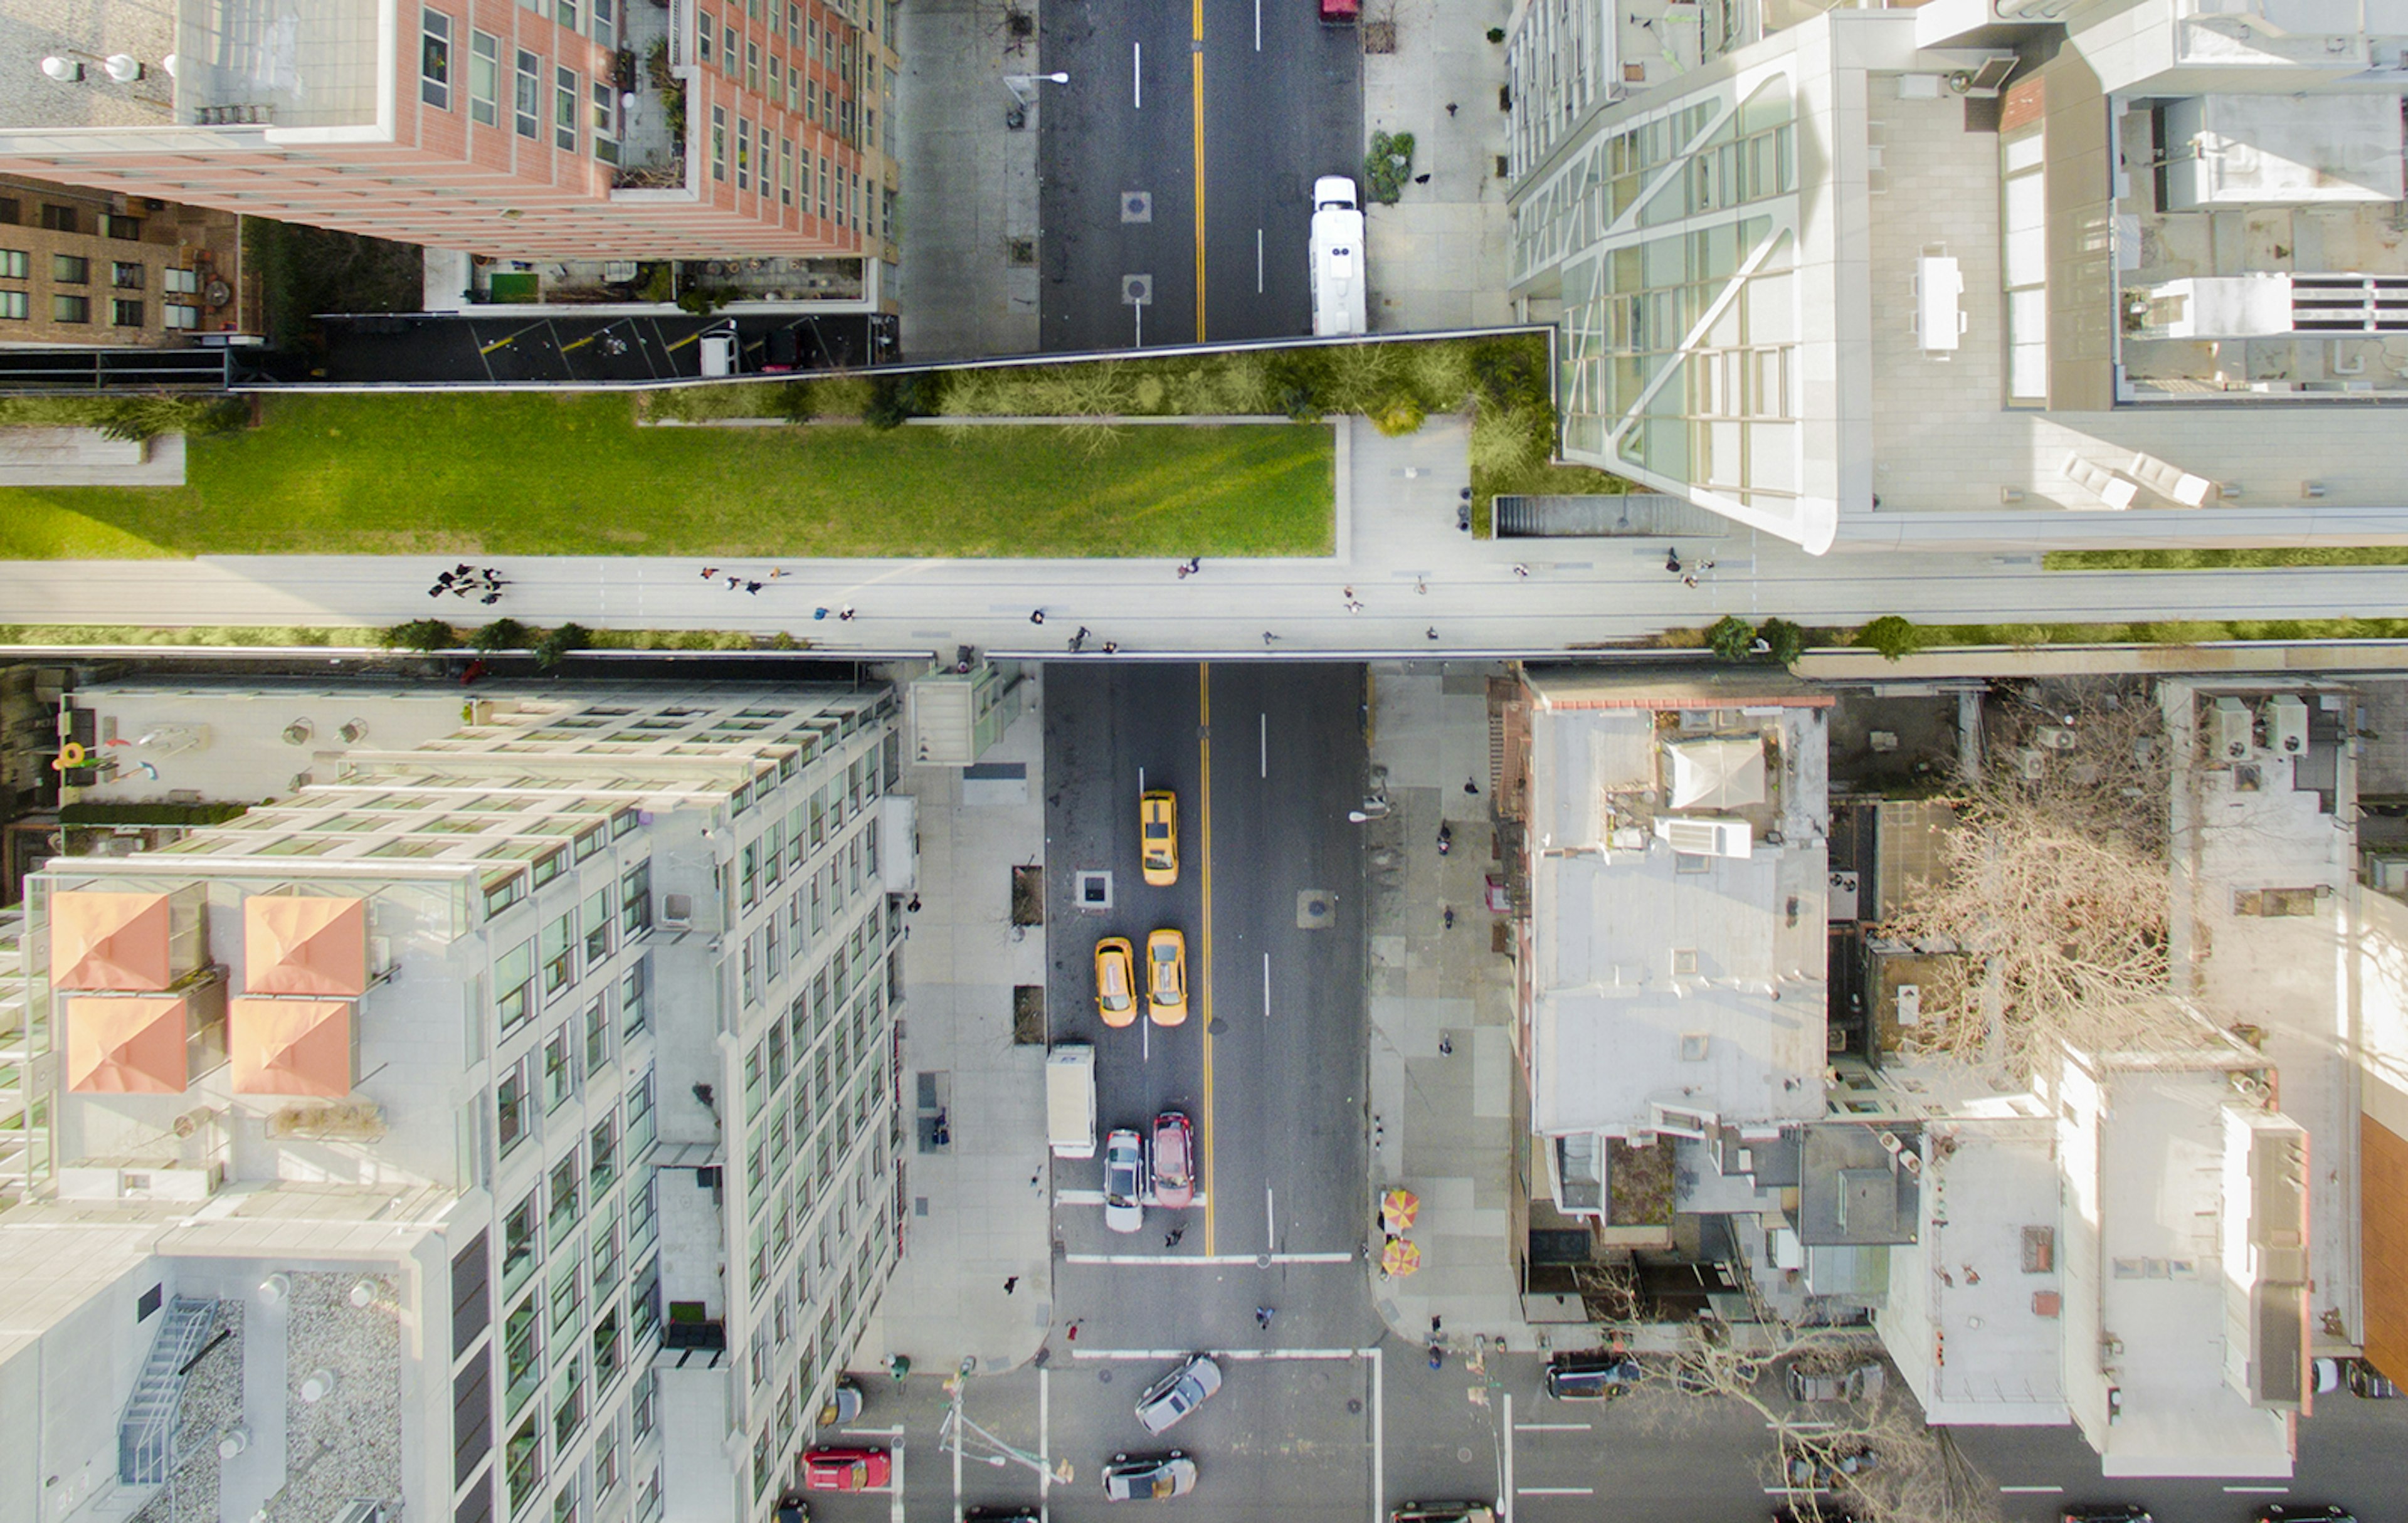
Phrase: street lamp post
(1023,95)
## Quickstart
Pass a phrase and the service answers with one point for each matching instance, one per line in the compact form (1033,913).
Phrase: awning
(110,941)
(1398,1257)
(126,1046)
(1398,1209)
(293,943)
(292,1046)
(1718,774)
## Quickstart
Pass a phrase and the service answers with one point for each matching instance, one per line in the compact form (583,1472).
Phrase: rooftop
(204,63)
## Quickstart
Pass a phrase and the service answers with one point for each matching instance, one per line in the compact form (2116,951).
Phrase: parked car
(1124,1182)
(1858,1382)
(1444,1512)
(1591,1377)
(2111,1512)
(782,350)
(1174,1161)
(792,1508)
(850,1469)
(1149,1479)
(2294,1511)
(842,1405)
(1166,977)
(1813,1466)
(1116,981)
(1814,1510)
(1157,824)
(1003,1514)
(2367,1381)
(1340,12)
(1178,1393)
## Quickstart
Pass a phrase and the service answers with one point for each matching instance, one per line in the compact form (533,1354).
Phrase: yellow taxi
(1166,977)
(1116,981)
(1157,815)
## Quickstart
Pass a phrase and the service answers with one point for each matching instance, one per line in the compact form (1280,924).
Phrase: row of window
(64,219)
(571,101)
(76,270)
(546,1079)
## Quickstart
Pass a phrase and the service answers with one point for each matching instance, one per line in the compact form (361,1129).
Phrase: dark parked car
(2295,1512)
(2111,1512)
(1591,1377)
(2367,1381)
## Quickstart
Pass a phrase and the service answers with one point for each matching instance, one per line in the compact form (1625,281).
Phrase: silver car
(1178,1393)
(1151,1478)
(1124,1182)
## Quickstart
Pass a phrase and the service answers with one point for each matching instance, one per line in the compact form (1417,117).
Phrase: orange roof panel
(126,1046)
(291,1047)
(110,941)
(295,943)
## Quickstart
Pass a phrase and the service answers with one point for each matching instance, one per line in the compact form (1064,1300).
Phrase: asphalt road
(565,346)
(1281,102)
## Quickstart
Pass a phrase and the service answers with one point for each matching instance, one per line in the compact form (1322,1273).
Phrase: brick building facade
(80,267)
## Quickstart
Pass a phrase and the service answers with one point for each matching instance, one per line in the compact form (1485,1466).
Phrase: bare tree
(2049,909)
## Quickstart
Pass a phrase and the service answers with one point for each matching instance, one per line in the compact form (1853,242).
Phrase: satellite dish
(63,70)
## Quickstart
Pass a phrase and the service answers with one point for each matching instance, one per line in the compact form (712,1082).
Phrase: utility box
(2287,724)
(2229,730)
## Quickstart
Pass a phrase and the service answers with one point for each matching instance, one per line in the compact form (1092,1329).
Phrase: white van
(1070,1099)
(719,351)
(1336,258)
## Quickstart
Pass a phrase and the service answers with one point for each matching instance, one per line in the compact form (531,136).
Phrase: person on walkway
(1447,918)
(462,588)
(1431,631)
(1445,1045)
(1421,179)
(1077,640)
(1705,565)
(438,590)
(1347,594)
(1689,580)
(777,571)
(1071,1332)
(734,582)
(1673,561)
(1421,586)
(912,909)
(462,569)
(1450,108)
(1037,615)
(1081,634)
(1263,1315)
(1267,638)
(819,613)
(1354,605)
(1181,569)
(1472,786)
(1195,566)
(1011,1284)
(1520,569)
(1110,646)
(753,587)
(708,572)
(491,599)
(845,613)
(445,579)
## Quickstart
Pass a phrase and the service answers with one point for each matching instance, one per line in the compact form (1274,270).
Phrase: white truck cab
(1336,258)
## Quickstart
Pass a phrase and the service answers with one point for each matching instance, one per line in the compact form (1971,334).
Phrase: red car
(1174,1161)
(847,1470)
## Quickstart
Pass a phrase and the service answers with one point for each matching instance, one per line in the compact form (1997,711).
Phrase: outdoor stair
(145,1435)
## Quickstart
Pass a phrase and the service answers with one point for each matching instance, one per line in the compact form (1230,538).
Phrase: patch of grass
(533,474)
(138,634)
(2220,560)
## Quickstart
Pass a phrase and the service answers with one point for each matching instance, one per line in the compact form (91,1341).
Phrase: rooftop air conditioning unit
(2031,765)
(2231,729)
(1706,838)
(2054,737)
(2287,724)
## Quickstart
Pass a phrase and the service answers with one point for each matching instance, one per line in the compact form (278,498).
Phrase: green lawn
(528,475)
(2222,560)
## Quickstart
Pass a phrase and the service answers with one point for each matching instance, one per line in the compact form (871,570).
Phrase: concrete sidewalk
(1437,259)
(969,182)
(978,1211)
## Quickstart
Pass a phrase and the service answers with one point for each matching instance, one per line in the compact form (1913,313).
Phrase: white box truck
(1336,258)
(1070,1099)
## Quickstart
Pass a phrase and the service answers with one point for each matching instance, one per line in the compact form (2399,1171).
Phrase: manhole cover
(1355,1404)
(1137,207)
(1314,908)
(1463,1457)
(1104,1376)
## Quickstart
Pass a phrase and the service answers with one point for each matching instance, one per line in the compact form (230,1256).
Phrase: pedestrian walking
(777,571)
(462,569)
(753,587)
(1195,566)
(1110,646)
(462,589)
(1420,585)
(1076,640)
(1072,1331)
(1448,918)
(1472,786)
(1450,108)
(1520,569)
(1421,179)
(1705,565)
(1037,615)
(1672,560)
(1436,1323)
(1035,1181)
(708,572)
(1182,571)
(1432,632)
(491,599)
(734,582)
(845,613)
(1263,1315)
(1170,1239)
(1689,580)
(445,579)
(1445,1045)
(819,613)
(1267,638)
(1011,1284)
(1081,634)
(1352,606)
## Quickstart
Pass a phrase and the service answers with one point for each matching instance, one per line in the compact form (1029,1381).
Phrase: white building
(501,1126)
(1975,275)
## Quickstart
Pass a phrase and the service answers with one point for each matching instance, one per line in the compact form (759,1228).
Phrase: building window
(567,95)
(562,1220)
(753,67)
(70,269)
(812,100)
(11,211)
(12,305)
(634,1014)
(719,142)
(71,309)
(124,275)
(434,59)
(125,314)
(605,21)
(702,36)
(606,122)
(527,101)
(744,153)
(123,228)
(777,79)
(521,1244)
(176,314)
(14,265)
(522,1355)
(731,55)
(515,1105)
(524,1459)
(559,959)
(58,219)
(185,282)
(786,171)
(566,13)
(485,79)
(559,1070)
(514,988)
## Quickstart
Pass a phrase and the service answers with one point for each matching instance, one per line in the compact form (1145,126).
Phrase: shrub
(1892,637)
(794,402)
(839,397)
(1400,415)
(501,635)
(420,635)
(892,400)
(1786,639)
(1387,166)
(1495,34)
(703,300)
(1731,637)
(556,643)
